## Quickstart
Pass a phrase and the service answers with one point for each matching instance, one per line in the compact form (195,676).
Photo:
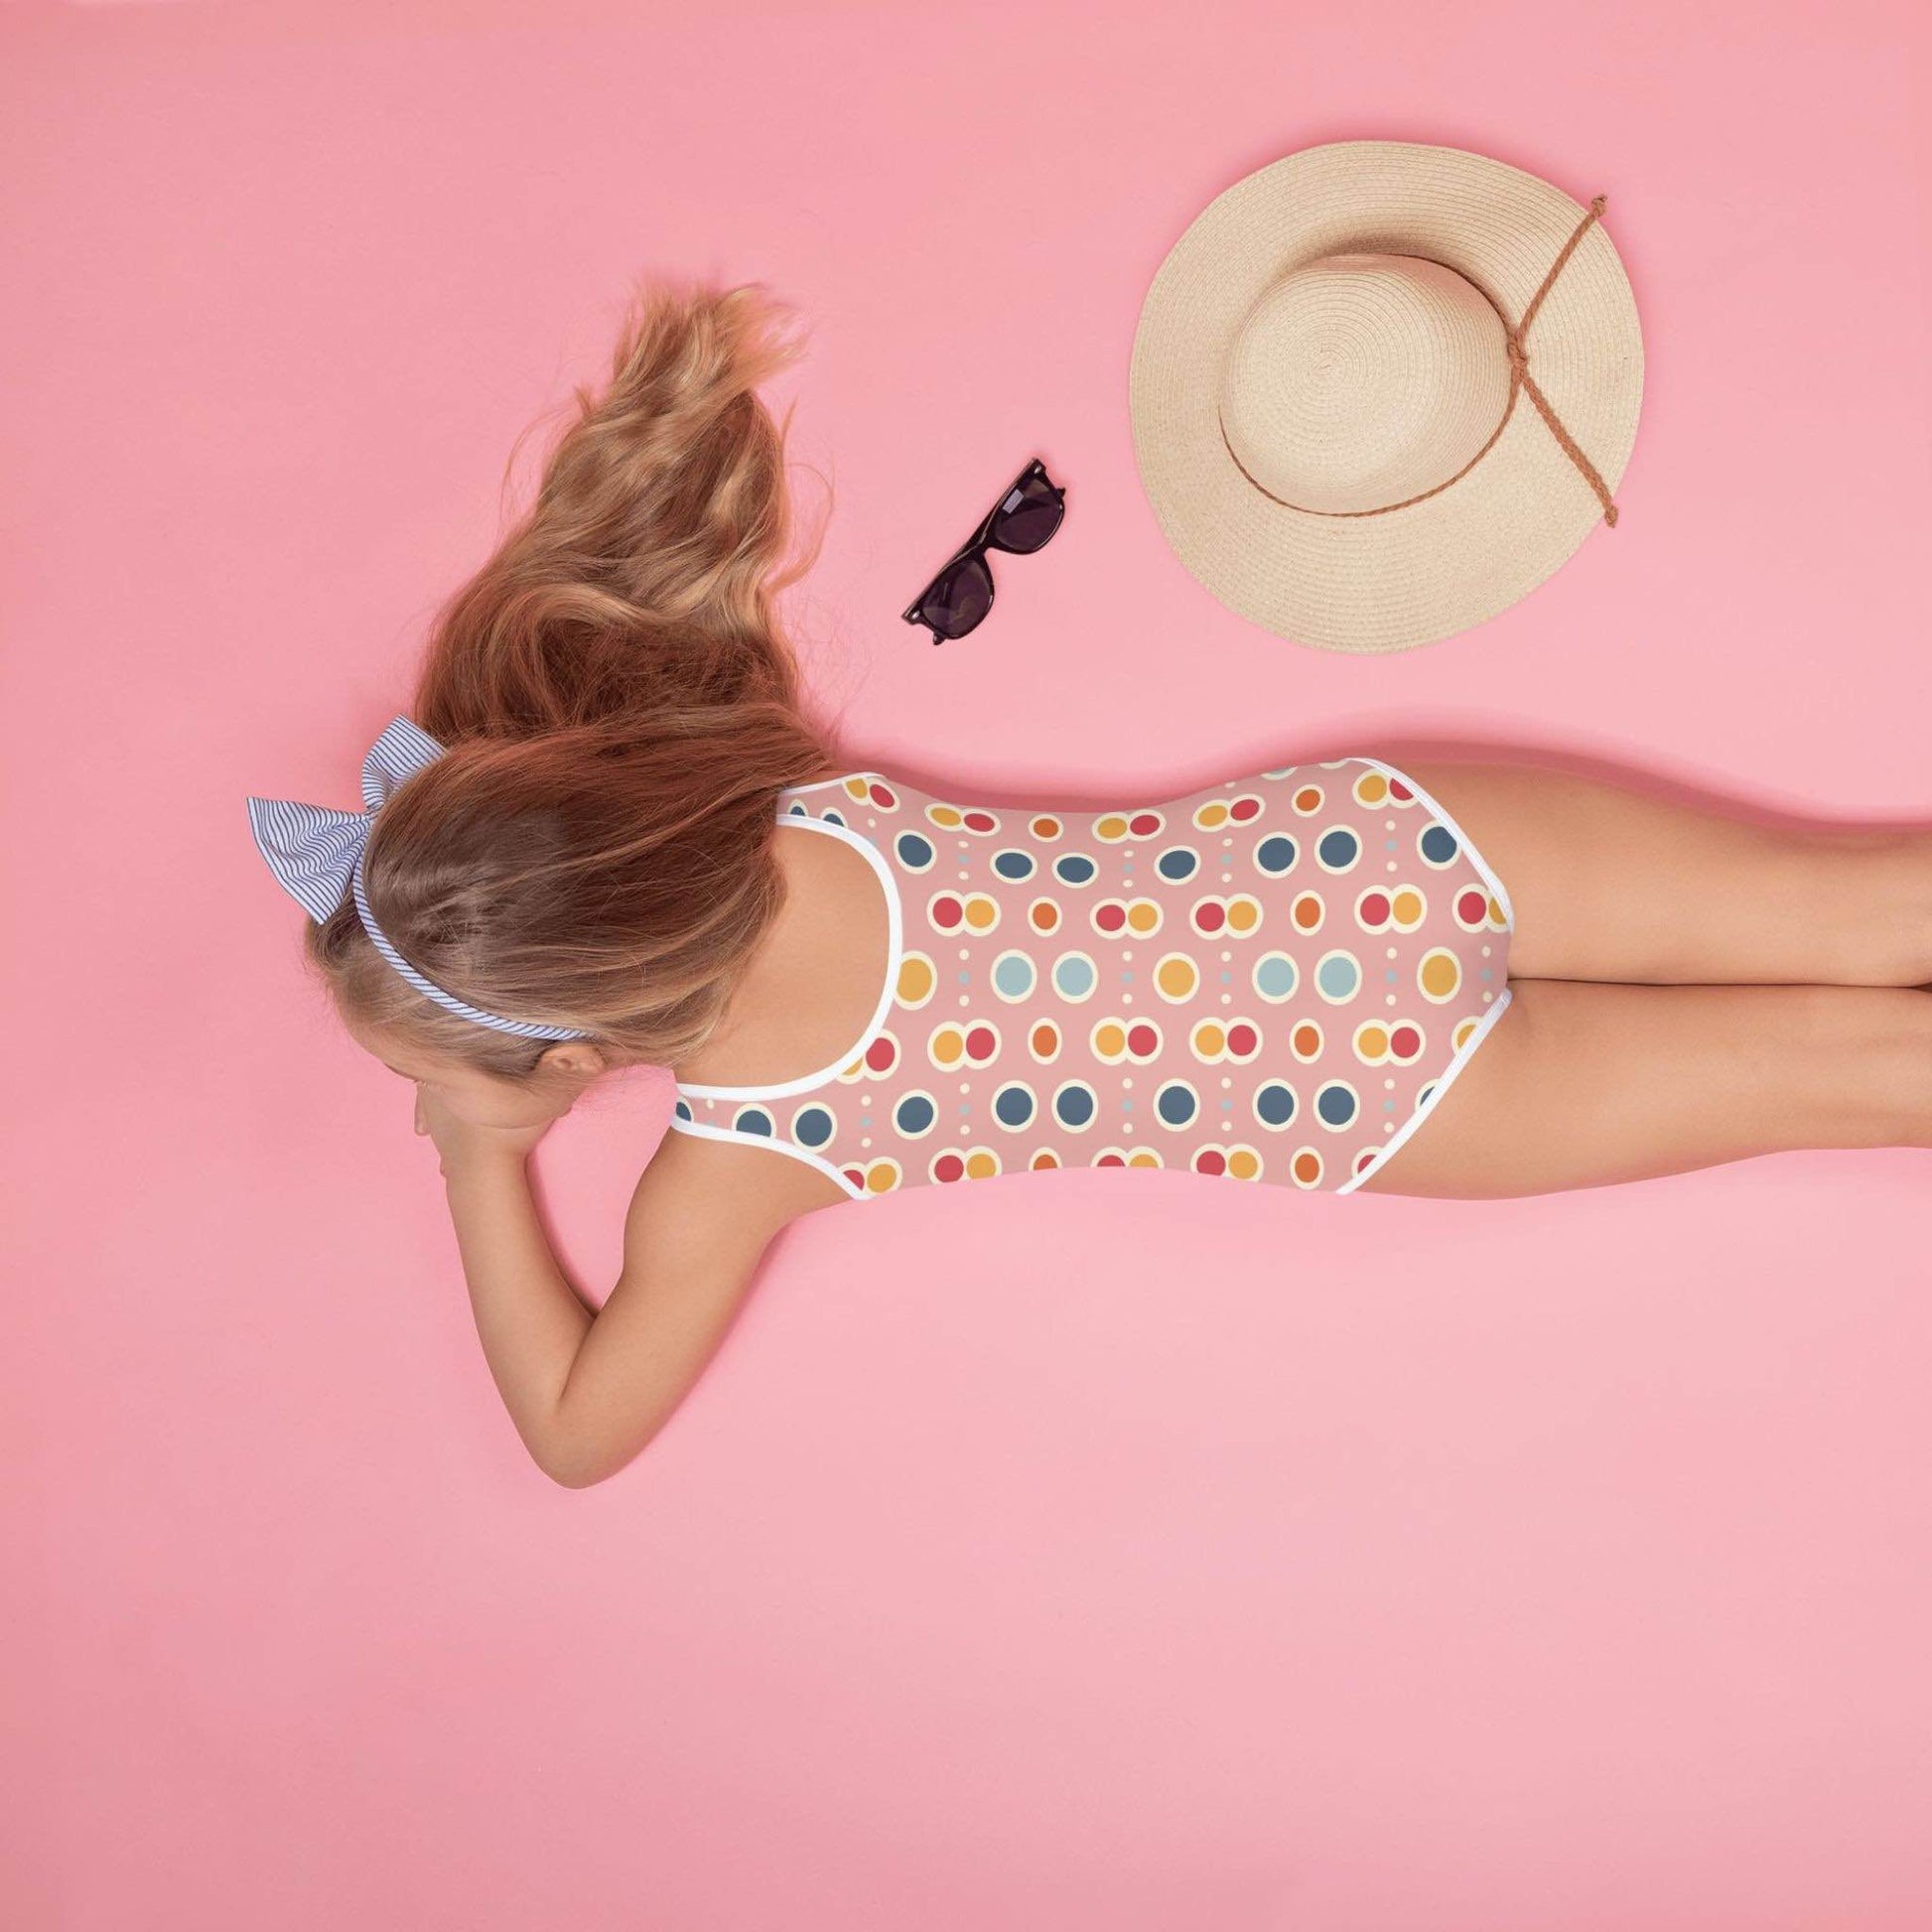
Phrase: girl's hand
(462,1143)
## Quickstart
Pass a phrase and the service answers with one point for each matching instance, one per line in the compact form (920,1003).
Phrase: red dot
(885,797)
(1142,1038)
(1144,824)
(857,1176)
(946,911)
(1244,809)
(1375,909)
(1405,1043)
(1242,1037)
(1110,1161)
(949,1167)
(979,821)
(1210,1161)
(1109,917)
(1210,917)
(1473,907)
(979,1043)
(1397,789)
(882,1053)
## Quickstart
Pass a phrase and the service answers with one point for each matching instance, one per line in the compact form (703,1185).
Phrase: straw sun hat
(1380,392)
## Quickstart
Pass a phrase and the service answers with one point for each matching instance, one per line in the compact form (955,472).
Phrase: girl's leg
(1580,1085)
(1607,883)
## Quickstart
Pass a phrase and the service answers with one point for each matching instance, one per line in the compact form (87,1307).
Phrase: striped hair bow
(316,853)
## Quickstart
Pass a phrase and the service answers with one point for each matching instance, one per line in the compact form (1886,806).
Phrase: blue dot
(914,853)
(812,1127)
(1339,848)
(1074,868)
(752,1120)
(1014,865)
(1176,1104)
(1178,863)
(915,1114)
(1437,844)
(1339,976)
(1073,1106)
(1014,975)
(1276,853)
(1336,1105)
(1012,1106)
(1074,976)
(1276,977)
(1275,1104)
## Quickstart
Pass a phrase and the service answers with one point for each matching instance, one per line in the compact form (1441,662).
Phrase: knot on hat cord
(1521,382)
(1520,377)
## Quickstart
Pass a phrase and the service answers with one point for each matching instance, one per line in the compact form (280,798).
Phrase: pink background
(1124,1551)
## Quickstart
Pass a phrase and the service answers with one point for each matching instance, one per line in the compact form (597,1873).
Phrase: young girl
(611,836)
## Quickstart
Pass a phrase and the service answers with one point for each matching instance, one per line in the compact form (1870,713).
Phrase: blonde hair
(621,712)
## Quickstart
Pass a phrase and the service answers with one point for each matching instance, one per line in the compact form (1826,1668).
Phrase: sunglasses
(1025,517)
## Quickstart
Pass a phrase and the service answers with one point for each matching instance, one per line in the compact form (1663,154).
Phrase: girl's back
(1271,978)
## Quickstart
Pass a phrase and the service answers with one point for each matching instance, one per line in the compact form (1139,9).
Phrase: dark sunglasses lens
(1030,515)
(959,599)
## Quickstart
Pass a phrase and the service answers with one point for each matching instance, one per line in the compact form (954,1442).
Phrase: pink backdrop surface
(1119,1551)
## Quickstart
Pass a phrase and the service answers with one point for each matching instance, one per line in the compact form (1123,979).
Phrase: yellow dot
(1406,906)
(1109,1037)
(945,815)
(1371,788)
(1208,1038)
(1439,975)
(1111,826)
(1142,916)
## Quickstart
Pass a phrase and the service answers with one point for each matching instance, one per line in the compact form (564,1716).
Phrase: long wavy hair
(621,712)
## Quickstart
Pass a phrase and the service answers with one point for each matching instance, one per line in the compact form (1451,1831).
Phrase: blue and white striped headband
(316,852)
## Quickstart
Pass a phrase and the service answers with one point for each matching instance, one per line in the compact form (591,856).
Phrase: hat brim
(1411,576)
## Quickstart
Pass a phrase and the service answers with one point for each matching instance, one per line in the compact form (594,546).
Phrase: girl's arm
(588,1389)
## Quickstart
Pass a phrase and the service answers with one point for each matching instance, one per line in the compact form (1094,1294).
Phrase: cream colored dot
(965,953)
(1127,1126)
(865,1100)
(1127,999)
(1486,952)
(1227,1127)
(1225,1081)
(1127,1080)
(1388,1127)
(1390,1001)
(1227,955)
(965,998)
(964,1132)
(1392,864)
(1388,825)
(1225,877)
(1389,1085)
(1487,996)
(1391,952)
(965,871)
(867,1142)
(1129,956)
(965,1087)
(1227,998)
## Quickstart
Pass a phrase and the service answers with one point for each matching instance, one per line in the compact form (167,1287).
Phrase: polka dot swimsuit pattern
(1271,979)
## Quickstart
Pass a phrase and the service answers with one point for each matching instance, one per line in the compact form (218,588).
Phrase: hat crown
(1357,381)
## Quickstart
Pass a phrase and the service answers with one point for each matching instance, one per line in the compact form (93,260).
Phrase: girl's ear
(578,1057)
